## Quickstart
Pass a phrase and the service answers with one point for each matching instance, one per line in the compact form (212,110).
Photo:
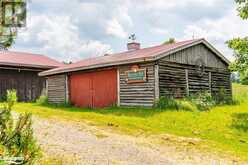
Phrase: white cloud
(160,31)
(58,37)
(83,28)
(170,4)
(115,28)
(219,31)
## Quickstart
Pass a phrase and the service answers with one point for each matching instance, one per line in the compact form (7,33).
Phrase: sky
(71,30)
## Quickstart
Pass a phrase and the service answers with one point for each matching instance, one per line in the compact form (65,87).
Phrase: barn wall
(137,94)
(193,54)
(57,87)
(28,84)
(179,80)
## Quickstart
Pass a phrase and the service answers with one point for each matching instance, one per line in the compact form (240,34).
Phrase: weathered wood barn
(138,76)
(19,71)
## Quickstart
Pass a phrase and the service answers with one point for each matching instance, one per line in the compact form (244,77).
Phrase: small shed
(19,71)
(138,76)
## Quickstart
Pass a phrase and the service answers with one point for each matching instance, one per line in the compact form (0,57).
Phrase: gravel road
(81,144)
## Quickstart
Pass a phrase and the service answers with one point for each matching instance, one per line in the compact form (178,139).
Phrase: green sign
(136,76)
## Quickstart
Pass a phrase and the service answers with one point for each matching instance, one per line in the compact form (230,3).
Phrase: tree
(240,46)
(242,8)
(170,41)
(11,13)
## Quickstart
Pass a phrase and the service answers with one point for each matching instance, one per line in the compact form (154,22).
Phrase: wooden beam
(66,89)
(156,81)
(187,81)
(118,88)
(210,82)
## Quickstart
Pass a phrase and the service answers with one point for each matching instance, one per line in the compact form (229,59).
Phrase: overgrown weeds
(202,101)
(42,100)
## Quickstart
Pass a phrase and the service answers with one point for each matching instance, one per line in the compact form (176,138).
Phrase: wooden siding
(137,94)
(196,53)
(179,80)
(28,84)
(57,89)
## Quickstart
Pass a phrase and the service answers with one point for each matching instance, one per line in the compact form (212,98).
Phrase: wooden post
(46,90)
(66,89)
(118,88)
(156,68)
(187,81)
(210,82)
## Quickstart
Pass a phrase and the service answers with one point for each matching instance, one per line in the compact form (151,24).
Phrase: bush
(186,105)
(42,100)
(166,103)
(173,104)
(222,98)
(202,100)
(16,137)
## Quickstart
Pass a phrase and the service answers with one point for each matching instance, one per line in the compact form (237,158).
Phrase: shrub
(42,100)
(186,105)
(11,98)
(166,103)
(222,98)
(16,137)
(202,100)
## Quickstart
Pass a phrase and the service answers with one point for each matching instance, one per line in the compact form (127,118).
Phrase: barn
(19,71)
(139,76)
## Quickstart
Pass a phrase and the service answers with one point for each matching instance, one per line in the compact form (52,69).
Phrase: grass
(223,128)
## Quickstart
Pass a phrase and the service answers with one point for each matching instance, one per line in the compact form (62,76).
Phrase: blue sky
(69,30)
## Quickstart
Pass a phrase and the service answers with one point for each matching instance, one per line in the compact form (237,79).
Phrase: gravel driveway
(79,144)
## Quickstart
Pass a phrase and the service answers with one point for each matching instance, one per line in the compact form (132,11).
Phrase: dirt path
(79,144)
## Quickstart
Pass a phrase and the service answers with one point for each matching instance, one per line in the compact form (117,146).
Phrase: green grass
(223,128)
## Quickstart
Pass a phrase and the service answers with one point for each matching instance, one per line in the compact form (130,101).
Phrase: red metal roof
(10,58)
(140,55)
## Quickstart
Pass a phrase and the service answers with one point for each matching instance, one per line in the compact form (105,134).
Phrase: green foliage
(166,103)
(16,136)
(42,100)
(7,34)
(222,98)
(170,41)
(11,98)
(244,80)
(240,46)
(173,104)
(203,100)
(242,8)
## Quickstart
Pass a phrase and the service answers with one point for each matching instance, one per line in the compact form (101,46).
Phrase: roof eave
(27,65)
(49,73)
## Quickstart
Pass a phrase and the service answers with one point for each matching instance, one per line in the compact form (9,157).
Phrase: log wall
(180,80)
(57,86)
(137,94)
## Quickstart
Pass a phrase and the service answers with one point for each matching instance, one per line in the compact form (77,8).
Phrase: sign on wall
(135,76)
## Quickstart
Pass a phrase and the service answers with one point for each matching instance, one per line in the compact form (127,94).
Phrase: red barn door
(95,89)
